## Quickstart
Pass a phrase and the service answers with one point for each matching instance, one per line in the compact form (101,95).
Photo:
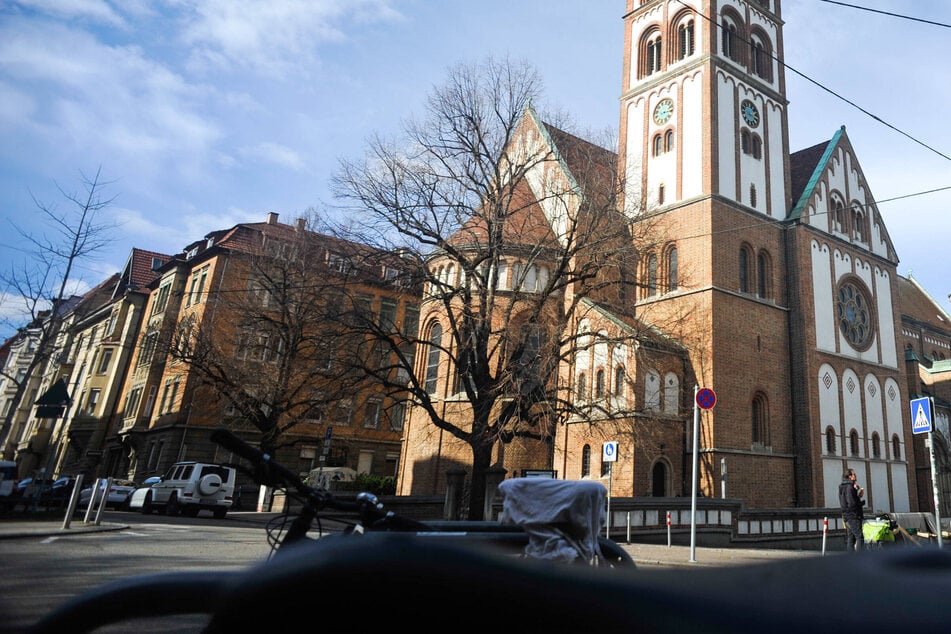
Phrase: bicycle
(373,537)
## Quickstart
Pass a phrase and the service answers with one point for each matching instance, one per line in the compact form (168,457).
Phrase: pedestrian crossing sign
(921,415)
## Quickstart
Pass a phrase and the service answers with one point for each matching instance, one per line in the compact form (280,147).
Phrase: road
(38,574)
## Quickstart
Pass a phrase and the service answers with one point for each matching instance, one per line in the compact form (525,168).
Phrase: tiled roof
(593,167)
(917,304)
(585,164)
(802,166)
(140,270)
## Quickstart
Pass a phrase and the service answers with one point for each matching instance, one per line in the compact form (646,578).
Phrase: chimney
(272,217)
(301,225)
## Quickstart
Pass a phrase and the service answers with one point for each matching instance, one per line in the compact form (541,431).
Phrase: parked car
(187,488)
(27,487)
(57,494)
(137,496)
(119,494)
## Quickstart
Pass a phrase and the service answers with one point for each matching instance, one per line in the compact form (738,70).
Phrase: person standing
(851,500)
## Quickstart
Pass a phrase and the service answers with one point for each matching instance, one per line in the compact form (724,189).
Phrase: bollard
(825,531)
(668,529)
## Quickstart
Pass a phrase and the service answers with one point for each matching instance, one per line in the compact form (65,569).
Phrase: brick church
(798,319)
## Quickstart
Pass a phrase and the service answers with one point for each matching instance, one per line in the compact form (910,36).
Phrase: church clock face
(663,111)
(749,113)
(854,315)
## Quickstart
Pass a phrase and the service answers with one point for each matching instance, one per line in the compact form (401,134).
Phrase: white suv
(187,488)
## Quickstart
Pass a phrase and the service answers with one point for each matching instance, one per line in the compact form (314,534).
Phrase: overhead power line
(716,25)
(894,15)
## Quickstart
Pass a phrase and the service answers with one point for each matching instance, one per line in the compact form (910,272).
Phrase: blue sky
(206,113)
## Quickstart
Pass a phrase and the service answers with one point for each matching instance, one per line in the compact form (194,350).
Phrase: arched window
(658,145)
(853,443)
(756,146)
(668,140)
(761,57)
(830,441)
(659,479)
(729,39)
(586,461)
(649,53)
(858,225)
(685,39)
(760,427)
(762,275)
(745,145)
(744,270)
(652,391)
(599,384)
(653,53)
(837,209)
(660,194)
(672,269)
(582,386)
(432,358)
(652,275)
(896,448)
(619,381)
(876,445)
(671,394)
(752,195)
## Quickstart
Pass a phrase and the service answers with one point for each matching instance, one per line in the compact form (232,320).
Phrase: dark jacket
(849,499)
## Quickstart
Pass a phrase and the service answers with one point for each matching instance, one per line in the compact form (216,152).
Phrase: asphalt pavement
(643,554)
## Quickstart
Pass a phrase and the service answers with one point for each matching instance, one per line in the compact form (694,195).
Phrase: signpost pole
(934,486)
(703,398)
(693,472)
(609,455)
(922,421)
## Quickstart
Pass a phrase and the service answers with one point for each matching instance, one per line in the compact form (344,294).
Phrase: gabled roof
(97,297)
(592,167)
(645,333)
(807,167)
(587,169)
(915,303)
(139,271)
(808,170)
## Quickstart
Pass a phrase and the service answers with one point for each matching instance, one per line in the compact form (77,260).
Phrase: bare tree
(276,344)
(42,280)
(515,228)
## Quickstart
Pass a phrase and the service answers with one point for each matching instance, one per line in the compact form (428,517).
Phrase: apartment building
(248,329)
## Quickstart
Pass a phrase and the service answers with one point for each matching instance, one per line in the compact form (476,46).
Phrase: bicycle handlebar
(269,472)
(255,456)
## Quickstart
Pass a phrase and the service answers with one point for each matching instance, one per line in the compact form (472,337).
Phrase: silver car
(118,498)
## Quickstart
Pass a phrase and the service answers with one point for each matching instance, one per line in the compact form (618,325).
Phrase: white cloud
(271,37)
(275,153)
(95,10)
(113,97)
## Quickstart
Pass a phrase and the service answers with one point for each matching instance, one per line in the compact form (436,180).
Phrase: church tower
(704,153)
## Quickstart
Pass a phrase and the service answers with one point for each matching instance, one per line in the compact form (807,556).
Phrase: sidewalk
(647,555)
(643,554)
